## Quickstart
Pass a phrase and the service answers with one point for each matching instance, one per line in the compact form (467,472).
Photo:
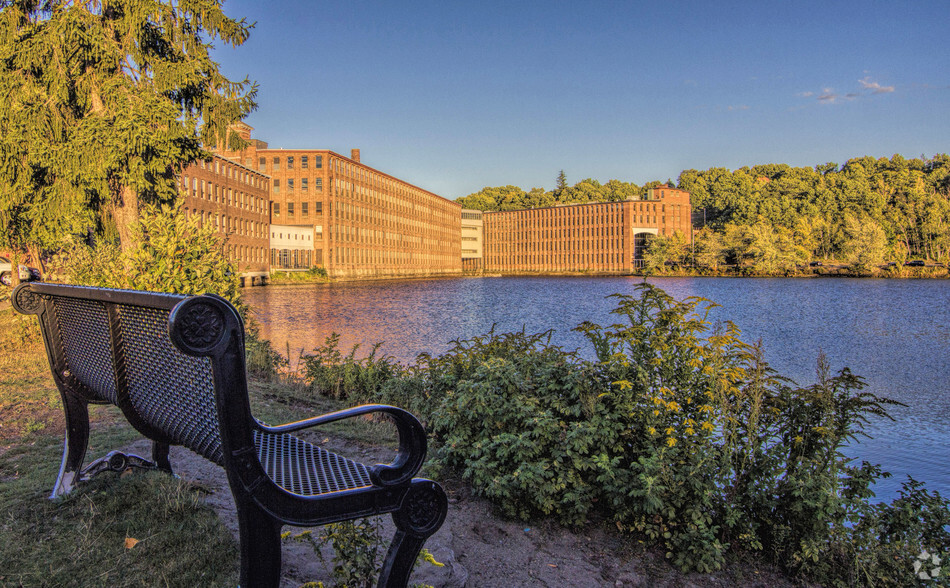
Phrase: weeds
(357,551)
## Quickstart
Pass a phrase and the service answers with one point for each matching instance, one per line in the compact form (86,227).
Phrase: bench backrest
(115,346)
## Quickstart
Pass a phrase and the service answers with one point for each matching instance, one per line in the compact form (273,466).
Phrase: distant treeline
(867,211)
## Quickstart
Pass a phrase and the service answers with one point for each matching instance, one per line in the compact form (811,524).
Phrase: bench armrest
(412,440)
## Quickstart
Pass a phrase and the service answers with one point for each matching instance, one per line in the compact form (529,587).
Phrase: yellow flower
(651,430)
(670,441)
(669,430)
(708,426)
(689,431)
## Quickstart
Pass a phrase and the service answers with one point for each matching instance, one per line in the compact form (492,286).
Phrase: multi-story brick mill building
(333,211)
(235,199)
(607,237)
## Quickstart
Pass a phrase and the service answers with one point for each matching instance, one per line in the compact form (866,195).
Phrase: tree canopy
(103,102)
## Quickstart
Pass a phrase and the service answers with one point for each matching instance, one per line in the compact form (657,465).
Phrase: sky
(455,96)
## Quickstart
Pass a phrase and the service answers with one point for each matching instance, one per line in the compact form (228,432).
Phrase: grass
(80,540)
(314,275)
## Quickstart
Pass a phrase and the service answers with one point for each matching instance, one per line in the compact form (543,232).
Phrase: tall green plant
(104,102)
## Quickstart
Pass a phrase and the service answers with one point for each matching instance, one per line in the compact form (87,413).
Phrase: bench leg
(160,456)
(260,547)
(421,514)
(74,446)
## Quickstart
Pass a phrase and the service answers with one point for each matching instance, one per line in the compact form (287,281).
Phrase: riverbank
(183,532)
(829,270)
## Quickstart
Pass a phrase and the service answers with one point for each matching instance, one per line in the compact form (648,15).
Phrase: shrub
(328,372)
(679,432)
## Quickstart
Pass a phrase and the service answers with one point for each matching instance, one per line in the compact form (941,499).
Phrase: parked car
(27,274)
(916,263)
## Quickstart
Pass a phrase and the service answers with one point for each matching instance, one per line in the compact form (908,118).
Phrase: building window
(290,209)
(318,161)
(276,163)
(262,164)
(290,163)
(276,208)
(303,184)
(304,208)
(318,207)
(303,162)
(318,184)
(290,184)
(276,186)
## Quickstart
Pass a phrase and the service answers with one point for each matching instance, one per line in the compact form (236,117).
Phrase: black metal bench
(175,366)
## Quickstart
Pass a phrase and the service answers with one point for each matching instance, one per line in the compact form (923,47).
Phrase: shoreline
(937,272)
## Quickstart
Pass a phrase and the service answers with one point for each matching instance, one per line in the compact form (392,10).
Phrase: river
(893,333)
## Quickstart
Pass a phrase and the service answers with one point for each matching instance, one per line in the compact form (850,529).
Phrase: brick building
(361,222)
(235,199)
(607,237)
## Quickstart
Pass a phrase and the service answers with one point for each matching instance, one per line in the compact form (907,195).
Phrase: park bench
(175,366)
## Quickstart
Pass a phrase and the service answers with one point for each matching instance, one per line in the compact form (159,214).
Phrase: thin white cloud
(869,87)
(868,84)
(740,107)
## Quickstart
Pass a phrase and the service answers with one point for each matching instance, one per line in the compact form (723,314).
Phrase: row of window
(568,261)
(222,167)
(304,185)
(290,161)
(230,224)
(206,190)
(246,253)
(304,208)
(381,258)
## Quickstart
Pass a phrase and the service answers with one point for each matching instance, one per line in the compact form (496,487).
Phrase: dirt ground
(479,548)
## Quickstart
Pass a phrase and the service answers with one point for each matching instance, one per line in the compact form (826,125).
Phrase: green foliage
(662,251)
(104,102)
(328,372)
(514,198)
(357,551)
(904,203)
(174,253)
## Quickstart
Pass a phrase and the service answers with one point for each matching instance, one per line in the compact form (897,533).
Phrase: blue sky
(455,96)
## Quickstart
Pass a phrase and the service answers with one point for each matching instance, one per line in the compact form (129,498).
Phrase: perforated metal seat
(299,467)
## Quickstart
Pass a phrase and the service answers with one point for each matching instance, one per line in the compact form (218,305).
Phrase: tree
(662,250)
(561,182)
(103,102)
(866,243)
(173,252)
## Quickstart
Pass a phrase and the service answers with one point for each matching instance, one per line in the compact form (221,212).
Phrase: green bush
(328,372)
(679,432)
(174,253)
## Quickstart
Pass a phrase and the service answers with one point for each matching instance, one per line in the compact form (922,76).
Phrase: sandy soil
(479,548)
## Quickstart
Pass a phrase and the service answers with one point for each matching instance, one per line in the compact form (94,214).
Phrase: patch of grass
(81,540)
(314,275)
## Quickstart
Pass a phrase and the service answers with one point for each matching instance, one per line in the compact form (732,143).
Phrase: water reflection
(893,333)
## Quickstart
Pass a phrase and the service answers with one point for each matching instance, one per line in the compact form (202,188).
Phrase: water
(893,333)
